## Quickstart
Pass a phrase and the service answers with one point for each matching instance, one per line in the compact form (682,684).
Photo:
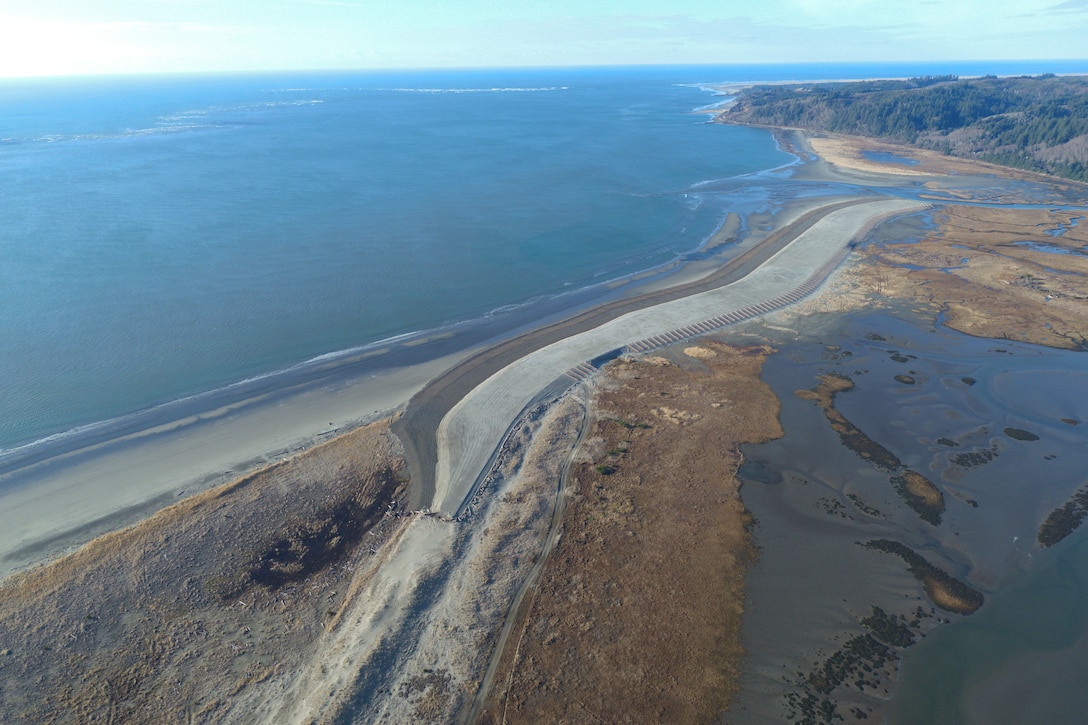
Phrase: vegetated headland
(1034,123)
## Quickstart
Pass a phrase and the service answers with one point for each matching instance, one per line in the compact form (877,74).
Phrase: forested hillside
(1037,123)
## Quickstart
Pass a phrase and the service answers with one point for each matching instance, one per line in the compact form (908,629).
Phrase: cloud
(139,26)
(1070,6)
(1062,10)
(64,47)
(637,38)
(332,3)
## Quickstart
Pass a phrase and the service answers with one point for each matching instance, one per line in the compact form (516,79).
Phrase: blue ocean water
(165,236)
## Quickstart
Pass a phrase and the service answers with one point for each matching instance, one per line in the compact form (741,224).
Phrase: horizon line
(507,68)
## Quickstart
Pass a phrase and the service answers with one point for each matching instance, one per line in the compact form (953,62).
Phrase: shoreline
(379,379)
(63,503)
(26,453)
(63,491)
(114,475)
(685,266)
(420,423)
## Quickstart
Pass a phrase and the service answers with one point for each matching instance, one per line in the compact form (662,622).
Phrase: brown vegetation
(921,494)
(636,615)
(1065,519)
(850,435)
(988,270)
(943,589)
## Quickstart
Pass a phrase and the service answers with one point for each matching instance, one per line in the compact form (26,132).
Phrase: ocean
(161,237)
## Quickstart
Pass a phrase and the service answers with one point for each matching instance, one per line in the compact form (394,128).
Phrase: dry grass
(943,589)
(636,616)
(977,268)
(851,436)
(919,492)
(918,485)
(947,598)
(846,152)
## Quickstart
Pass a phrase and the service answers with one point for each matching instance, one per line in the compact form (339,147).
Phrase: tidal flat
(821,504)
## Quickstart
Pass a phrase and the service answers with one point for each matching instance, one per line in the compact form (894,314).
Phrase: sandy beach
(57,501)
(57,504)
(383,599)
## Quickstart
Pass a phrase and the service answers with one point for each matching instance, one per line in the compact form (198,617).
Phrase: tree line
(1039,123)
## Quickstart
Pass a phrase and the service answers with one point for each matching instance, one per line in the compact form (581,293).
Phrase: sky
(77,37)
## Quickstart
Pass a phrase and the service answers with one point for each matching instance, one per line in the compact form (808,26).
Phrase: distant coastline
(1031,123)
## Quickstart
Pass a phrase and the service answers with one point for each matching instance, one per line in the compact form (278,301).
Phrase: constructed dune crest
(467,433)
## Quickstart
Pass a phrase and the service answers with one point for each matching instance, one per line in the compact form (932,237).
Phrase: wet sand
(61,502)
(59,495)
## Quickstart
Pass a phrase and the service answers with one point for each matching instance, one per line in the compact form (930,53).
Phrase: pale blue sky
(61,37)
